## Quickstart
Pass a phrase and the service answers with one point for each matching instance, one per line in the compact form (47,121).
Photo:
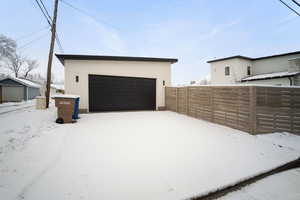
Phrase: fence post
(187,100)
(252,110)
(212,106)
(176,99)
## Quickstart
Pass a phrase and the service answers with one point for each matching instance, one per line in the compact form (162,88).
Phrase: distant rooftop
(249,58)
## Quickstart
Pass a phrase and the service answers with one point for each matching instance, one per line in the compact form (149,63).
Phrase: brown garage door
(115,93)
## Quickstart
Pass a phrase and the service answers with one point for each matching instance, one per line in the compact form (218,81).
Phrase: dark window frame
(249,70)
(227,71)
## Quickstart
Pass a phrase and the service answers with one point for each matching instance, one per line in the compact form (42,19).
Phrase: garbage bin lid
(40,97)
(66,96)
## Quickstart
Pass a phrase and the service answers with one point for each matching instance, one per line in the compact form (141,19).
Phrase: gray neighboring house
(17,89)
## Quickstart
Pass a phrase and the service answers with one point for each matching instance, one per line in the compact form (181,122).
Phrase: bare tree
(30,65)
(14,63)
(36,77)
(192,82)
(7,46)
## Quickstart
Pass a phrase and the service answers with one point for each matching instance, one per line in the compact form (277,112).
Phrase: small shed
(17,89)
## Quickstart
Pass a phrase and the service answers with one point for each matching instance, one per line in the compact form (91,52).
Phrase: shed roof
(24,82)
(63,57)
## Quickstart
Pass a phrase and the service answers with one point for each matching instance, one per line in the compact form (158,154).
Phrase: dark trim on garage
(63,57)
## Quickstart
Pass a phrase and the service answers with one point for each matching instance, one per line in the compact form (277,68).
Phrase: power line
(59,43)
(45,9)
(32,41)
(296,2)
(87,14)
(56,35)
(47,16)
(32,33)
(43,12)
(292,9)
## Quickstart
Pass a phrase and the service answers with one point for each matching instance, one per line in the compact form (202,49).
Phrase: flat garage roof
(63,57)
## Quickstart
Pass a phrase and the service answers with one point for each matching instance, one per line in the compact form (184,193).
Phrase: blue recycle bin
(76,109)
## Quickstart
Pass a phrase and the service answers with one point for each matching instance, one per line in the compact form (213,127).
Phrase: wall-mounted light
(77,79)
(164,83)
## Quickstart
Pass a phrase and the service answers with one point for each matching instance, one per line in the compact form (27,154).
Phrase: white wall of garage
(161,71)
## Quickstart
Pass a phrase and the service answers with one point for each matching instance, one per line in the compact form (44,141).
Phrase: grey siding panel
(12,93)
(297,80)
(25,94)
(33,92)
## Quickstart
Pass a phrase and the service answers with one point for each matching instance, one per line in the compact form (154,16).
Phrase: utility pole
(53,34)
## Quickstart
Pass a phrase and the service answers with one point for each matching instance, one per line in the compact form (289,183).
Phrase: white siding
(161,71)
(238,70)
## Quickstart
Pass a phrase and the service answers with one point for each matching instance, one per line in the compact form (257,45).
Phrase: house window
(248,70)
(227,71)
(77,79)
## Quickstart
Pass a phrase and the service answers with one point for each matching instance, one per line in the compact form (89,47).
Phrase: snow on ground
(12,106)
(21,125)
(284,185)
(126,155)
(280,186)
(283,139)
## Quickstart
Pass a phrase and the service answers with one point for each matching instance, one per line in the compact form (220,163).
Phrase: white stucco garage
(114,83)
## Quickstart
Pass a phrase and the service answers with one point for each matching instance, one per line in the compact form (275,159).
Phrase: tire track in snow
(17,109)
(37,178)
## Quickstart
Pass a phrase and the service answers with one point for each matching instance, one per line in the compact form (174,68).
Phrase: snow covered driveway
(13,106)
(128,155)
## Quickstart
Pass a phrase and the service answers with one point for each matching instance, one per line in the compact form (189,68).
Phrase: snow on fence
(253,109)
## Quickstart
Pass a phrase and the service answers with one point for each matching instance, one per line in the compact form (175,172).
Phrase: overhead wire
(32,33)
(86,13)
(32,41)
(48,18)
(296,2)
(289,7)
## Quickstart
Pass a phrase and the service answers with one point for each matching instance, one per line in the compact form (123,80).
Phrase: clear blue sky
(193,31)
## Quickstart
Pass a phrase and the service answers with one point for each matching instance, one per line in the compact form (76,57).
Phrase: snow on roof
(67,96)
(26,82)
(58,86)
(270,76)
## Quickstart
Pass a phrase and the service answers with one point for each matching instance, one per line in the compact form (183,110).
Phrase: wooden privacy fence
(254,109)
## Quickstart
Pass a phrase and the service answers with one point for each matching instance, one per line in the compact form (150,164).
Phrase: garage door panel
(12,93)
(112,93)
